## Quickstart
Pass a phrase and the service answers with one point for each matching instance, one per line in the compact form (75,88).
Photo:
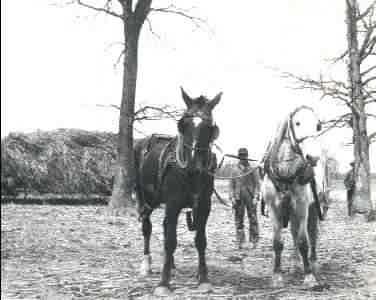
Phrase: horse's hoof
(162,291)
(205,287)
(310,281)
(296,265)
(277,281)
(145,268)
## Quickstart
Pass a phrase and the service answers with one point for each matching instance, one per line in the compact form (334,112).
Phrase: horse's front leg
(145,268)
(277,279)
(294,226)
(170,242)
(201,243)
(270,196)
(312,227)
(303,245)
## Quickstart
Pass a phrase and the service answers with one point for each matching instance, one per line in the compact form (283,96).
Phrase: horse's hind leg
(145,268)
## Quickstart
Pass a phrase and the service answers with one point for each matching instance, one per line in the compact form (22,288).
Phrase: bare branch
(118,60)
(172,9)
(150,26)
(328,88)
(368,80)
(109,106)
(367,48)
(154,113)
(338,122)
(368,70)
(341,57)
(105,9)
(139,131)
(368,95)
(367,11)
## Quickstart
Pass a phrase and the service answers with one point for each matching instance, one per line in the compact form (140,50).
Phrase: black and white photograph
(169,149)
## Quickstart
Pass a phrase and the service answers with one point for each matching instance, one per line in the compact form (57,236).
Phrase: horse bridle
(195,147)
(293,139)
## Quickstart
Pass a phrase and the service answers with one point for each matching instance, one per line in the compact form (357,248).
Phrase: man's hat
(243,152)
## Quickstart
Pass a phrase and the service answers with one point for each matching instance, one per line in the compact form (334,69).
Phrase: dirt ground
(77,252)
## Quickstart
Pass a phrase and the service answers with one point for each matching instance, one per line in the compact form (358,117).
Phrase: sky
(58,66)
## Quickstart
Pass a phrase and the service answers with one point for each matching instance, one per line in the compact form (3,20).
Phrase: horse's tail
(190,221)
(286,208)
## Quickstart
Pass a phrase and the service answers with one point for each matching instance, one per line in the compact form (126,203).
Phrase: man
(244,191)
(350,185)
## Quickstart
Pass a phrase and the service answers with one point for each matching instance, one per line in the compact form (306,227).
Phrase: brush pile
(63,161)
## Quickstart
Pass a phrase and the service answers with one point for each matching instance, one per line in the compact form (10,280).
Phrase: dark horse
(176,171)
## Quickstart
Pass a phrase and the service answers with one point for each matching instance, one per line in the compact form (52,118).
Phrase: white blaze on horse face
(196,121)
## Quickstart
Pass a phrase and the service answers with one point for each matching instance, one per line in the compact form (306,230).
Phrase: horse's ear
(215,101)
(186,98)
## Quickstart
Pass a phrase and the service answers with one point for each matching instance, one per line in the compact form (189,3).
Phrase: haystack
(63,161)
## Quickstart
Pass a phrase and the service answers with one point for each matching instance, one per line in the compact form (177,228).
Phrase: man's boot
(240,238)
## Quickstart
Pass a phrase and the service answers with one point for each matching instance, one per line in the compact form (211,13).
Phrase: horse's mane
(276,140)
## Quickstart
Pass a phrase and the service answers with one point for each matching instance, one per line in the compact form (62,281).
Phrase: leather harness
(304,173)
(166,159)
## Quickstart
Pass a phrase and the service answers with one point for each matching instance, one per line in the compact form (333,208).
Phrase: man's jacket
(247,186)
(349,180)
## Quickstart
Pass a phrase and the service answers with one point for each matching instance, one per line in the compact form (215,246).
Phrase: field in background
(337,188)
(77,252)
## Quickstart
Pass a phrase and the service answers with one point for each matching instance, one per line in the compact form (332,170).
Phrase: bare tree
(132,15)
(151,113)
(357,94)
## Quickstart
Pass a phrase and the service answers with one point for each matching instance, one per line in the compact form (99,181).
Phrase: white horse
(292,166)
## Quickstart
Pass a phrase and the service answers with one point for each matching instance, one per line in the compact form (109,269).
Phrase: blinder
(181,125)
(215,132)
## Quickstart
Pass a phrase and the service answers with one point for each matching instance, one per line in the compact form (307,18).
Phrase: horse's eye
(297,123)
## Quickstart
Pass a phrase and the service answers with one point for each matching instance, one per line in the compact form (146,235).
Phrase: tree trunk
(362,194)
(124,177)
